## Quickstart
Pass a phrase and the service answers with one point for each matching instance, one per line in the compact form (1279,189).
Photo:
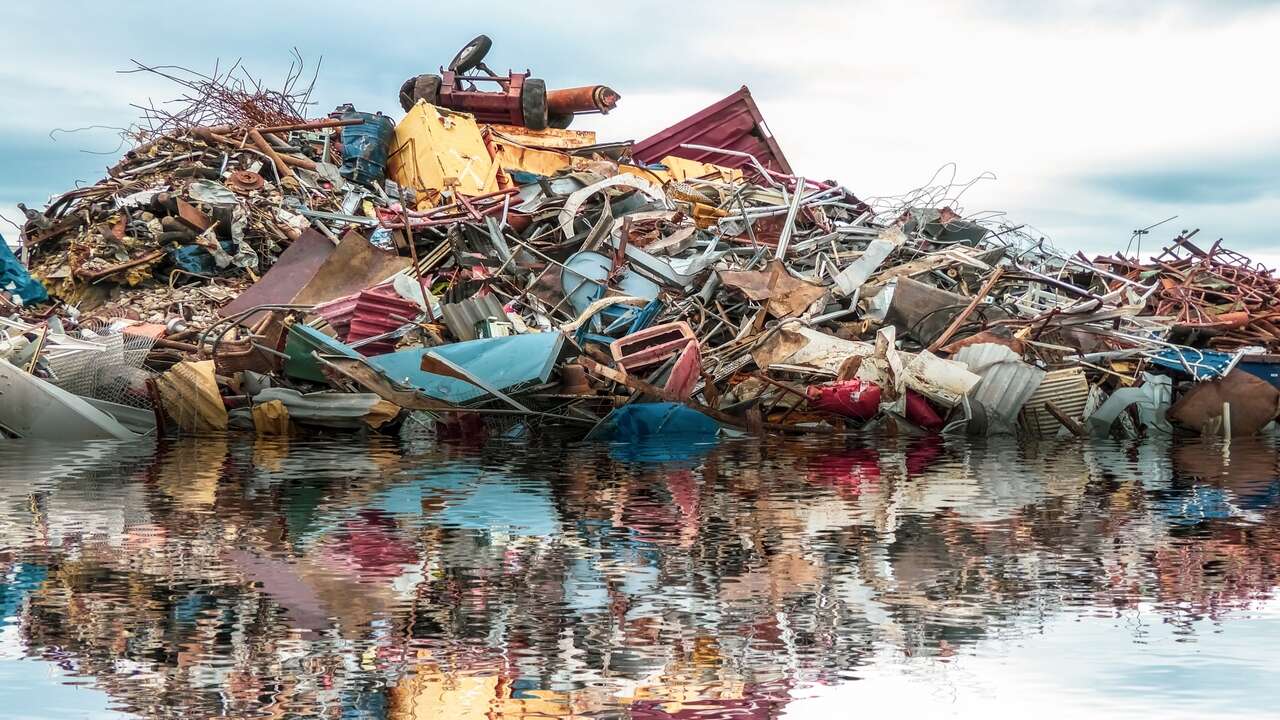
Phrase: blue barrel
(365,147)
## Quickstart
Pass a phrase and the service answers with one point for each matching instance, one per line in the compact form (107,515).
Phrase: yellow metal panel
(549,138)
(655,176)
(437,149)
(510,156)
(683,169)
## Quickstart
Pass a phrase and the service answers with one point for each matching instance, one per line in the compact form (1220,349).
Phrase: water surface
(365,578)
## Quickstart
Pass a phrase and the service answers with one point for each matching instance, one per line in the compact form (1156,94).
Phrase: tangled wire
(230,96)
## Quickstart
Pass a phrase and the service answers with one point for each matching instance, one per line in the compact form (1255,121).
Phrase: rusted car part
(517,99)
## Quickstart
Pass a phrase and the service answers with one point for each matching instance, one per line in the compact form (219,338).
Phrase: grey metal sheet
(1006,386)
(461,317)
(1068,390)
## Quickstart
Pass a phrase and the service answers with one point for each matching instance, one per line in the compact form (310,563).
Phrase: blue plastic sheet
(365,147)
(639,421)
(15,279)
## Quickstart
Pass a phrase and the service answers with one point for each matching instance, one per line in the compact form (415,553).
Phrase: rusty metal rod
(281,166)
(588,98)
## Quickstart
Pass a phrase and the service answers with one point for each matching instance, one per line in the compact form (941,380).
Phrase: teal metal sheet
(502,362)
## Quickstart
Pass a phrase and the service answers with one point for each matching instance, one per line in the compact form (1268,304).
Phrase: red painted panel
(734,123)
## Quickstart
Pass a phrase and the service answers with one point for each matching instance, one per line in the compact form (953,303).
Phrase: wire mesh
(107,367)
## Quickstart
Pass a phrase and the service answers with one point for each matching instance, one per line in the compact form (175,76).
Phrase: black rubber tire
(427,88)
(406,93)
(533,103)
(471,55)
(561,121)
(420,87)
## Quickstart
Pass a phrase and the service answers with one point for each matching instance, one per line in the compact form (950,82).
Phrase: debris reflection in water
(244,578)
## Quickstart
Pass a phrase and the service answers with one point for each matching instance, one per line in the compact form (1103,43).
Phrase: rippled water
(750,579)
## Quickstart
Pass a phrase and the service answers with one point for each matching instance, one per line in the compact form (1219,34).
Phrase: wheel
(559,121)
(427,88)
(533,103)
(406,93)
(470,56)
(420,87)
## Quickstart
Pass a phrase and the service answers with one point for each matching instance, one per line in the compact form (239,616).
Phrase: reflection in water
(339,579)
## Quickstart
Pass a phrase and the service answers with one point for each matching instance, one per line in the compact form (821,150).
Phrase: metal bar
(784,239)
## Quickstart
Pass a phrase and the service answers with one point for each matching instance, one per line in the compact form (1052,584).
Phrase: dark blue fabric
(195,259)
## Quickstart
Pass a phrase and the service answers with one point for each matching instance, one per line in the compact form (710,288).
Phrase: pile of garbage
(476,268)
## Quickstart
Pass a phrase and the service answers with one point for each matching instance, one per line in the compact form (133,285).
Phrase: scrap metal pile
(246,267)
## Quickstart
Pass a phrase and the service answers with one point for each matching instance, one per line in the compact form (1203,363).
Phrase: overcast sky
(1095,117)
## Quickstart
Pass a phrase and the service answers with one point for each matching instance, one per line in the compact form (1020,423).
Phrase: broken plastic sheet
(15,279)
(211,192)
(945,382)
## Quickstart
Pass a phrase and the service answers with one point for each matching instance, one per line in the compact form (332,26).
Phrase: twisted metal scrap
(224,97)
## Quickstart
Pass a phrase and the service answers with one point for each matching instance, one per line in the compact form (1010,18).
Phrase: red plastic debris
(920,412)
(651,345)
(855,399)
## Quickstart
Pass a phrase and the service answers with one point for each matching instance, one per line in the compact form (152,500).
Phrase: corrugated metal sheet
(461,317)
(1006,386)
(376,314)
(734,123)
(367,314)
(1068,390)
